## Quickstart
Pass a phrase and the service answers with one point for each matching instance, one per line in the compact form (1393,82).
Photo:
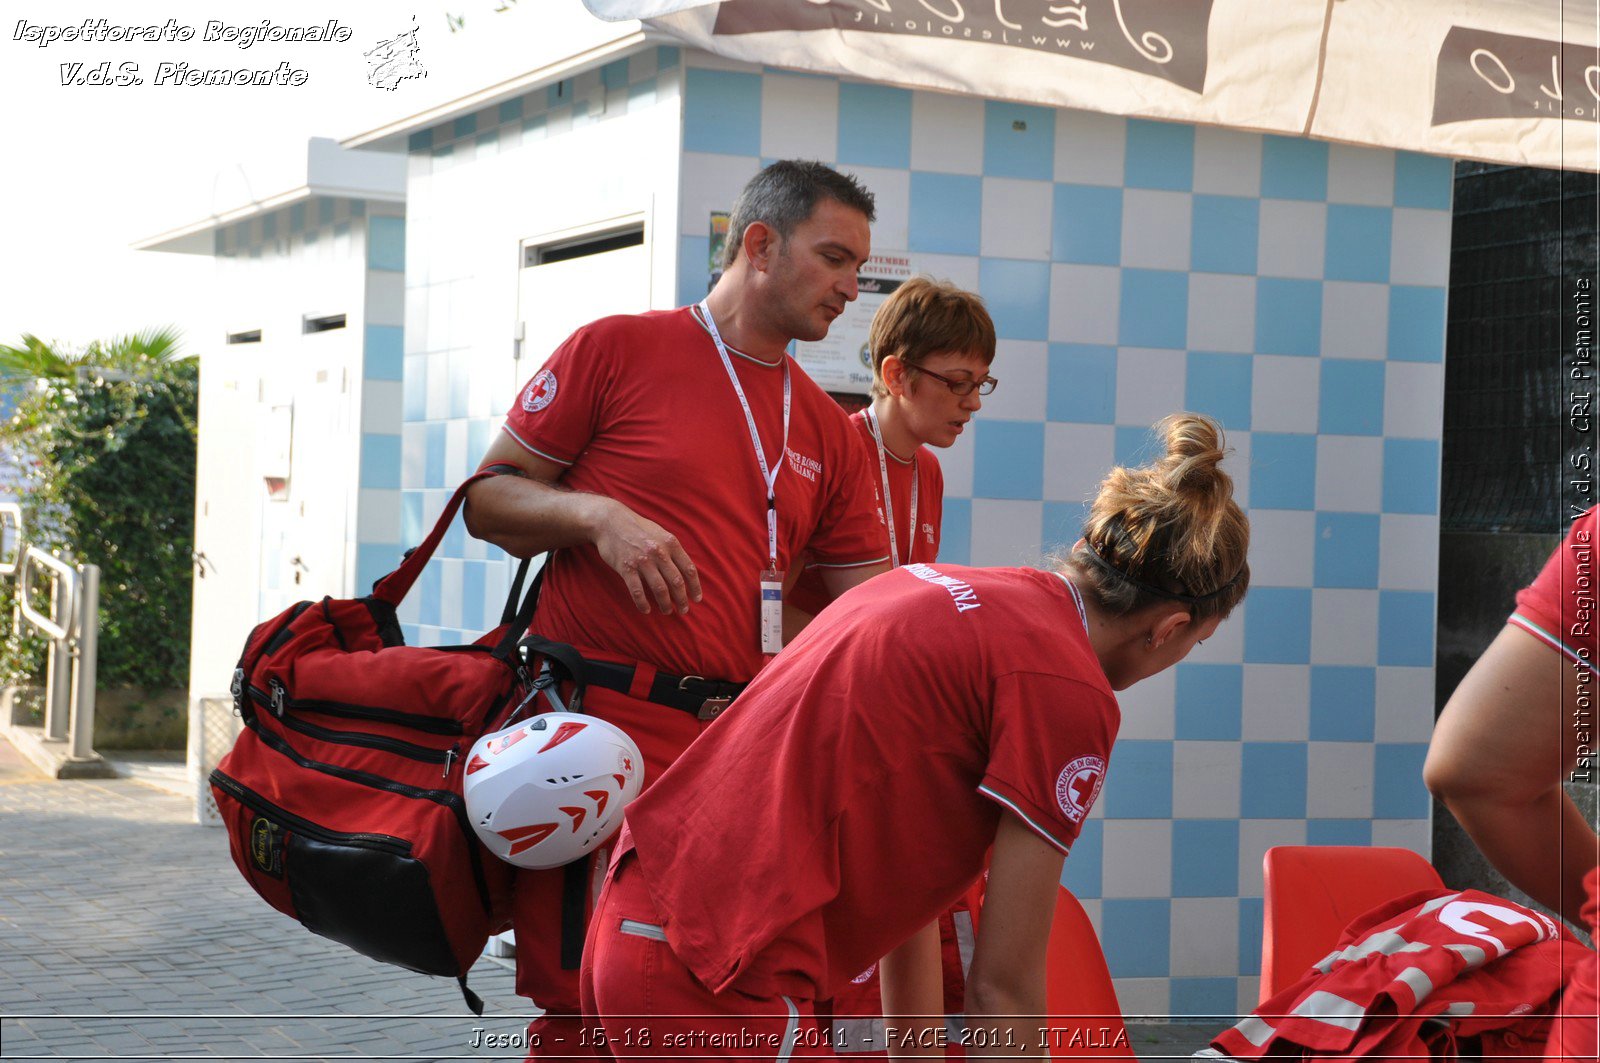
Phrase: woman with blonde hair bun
(853,790)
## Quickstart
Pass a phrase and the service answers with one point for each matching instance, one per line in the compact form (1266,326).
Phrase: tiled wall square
(1416,324)
(1251,915)
(1405,704)
(1408,552)
(1205,858)
(1278,626)
(1413,834)
(1349,473)
(874,125)
(1018,295)
(1018,140)
(1136,446)
(1277,780)
(1090,148)
(1139,782)
(1009,459)
(722,112)
(946,213)
(1292,168)
(1226,644)
(1411,476)
(1084,303)
(1277,702)
(1413,399)
(1077,457)
(1398,792)
(1081,872)
(1282,546)
(694,269)
(1288,316)
(380,461)
(1022,367)
(1148,710)
(1206,781)
(946,133)
(1360,175)
(1204,929)
(956,463)
(1226,233)
(1138,857)
(709,183)
(1082,384)
(1015,218)
(1204,999)
(1156,228)
(1420,253)
(1339,781)
(1144,996)
(1006,532)
(1293,239)
(1063,526)
(955,533)
(1355,320)
(961,270)
(1208,702)
(1405,627)
(1344,626)
(1339,832)
(1227,162)
(1136,938)
(1087,224)
(1351,398)
(1160,389)
(1283,468)
(1358,243)
(1343,703)
(1256,836)
(892,189)
(1423,181)
(1347,550)
(1160,155)
(1222,312)
(1154,308)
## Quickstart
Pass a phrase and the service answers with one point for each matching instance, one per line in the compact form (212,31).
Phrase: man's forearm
(525,517)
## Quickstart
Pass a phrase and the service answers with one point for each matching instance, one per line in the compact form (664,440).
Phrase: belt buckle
(710,708)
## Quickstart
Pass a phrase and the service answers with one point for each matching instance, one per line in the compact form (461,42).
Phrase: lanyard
(1077,599)
(769,476)
(888,499)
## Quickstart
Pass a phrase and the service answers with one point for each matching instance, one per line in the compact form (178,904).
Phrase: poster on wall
(842,362)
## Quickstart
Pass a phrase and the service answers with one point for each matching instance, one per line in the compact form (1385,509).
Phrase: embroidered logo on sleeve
(1078,785)
(541,392)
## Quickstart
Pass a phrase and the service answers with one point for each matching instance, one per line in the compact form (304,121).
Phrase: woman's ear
(894,375)
(1168,624)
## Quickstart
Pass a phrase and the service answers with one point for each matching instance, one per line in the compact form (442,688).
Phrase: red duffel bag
(342,795)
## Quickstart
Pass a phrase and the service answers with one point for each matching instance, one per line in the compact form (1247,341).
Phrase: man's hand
(649,559)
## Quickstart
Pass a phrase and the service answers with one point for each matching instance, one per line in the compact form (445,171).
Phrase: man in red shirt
(680,465)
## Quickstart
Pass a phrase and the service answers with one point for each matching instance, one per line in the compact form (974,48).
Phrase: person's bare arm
(1005,988)
(911,980)
(1507,739)
(528,515)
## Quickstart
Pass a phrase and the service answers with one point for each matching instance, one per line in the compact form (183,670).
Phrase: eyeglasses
(985,386)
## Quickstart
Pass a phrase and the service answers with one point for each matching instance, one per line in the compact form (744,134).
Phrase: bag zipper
(383,742)
(256,803)
(279,702)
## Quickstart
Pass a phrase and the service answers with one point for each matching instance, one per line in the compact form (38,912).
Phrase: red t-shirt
(918,544)
(848,797)
(1558,607)
(640,409)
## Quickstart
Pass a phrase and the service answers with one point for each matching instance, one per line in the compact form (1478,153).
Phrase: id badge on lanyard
(770,583)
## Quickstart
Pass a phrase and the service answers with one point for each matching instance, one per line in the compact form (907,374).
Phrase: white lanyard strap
(769,475)
(1077,599)
(888,498)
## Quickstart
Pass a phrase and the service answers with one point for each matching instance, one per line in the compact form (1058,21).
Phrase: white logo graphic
(541,392)
(864,976)
(1078,785)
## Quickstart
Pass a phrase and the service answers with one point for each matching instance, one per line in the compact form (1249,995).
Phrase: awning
(1513,81)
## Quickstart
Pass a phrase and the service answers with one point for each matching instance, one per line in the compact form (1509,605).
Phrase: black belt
(701,698)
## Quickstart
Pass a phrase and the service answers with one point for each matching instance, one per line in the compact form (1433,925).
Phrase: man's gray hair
(784,194)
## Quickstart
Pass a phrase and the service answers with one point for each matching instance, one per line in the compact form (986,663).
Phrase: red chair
(1086,1019)
(1312,892)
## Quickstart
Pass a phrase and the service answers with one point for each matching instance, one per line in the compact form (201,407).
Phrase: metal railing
(72,625)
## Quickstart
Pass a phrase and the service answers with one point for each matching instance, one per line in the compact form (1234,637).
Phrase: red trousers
(650,1005)
(662,734)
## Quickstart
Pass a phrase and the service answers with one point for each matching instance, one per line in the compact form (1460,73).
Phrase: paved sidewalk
(126,933)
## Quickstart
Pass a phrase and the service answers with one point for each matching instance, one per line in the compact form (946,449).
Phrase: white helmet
(551,789)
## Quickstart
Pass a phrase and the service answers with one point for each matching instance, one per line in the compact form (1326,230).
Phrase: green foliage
(105,442)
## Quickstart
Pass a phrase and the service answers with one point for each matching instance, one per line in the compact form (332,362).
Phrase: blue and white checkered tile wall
(1294,290)
(453,400)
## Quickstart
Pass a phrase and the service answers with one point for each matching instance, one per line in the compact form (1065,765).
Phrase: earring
(1148,644)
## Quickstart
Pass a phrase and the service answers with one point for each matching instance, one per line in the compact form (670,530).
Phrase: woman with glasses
(851,793)
(932,344)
